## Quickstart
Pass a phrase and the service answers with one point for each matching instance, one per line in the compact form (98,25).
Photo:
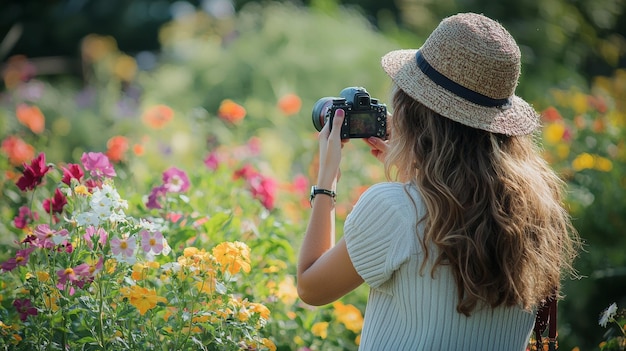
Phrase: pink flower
(47,238)
(152,242)
(264,189)
(24,217)
(175,180)
(25,308)
(33,174)
(124,248)
(300,184)
(100,234)
(212,161)
(73,171)
(55,204)
(65,275)
(20,259)
(98,164)
(86,272)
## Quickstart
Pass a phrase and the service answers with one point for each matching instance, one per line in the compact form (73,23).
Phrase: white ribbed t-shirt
(407,310)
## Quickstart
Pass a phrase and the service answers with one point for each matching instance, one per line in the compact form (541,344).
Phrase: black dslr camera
(365,117)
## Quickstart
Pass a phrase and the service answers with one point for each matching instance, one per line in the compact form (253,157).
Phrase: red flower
(551,114)
(56,204)
(33,174)
(73,171)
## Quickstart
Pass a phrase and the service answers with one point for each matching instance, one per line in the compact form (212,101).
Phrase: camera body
(364,116)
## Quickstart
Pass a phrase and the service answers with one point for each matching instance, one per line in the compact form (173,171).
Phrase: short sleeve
(380,232)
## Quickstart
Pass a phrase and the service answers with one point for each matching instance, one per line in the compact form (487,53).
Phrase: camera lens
(319,112)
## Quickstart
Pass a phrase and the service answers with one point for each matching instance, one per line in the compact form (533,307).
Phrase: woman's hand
(330,145)
(378,147)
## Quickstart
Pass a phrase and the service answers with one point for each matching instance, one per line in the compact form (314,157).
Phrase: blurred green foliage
(262,53)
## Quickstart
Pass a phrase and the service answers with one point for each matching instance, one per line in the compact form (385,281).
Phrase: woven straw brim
(518,119)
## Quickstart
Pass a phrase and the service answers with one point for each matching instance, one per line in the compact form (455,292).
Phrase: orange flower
(138,149)
(142,298)
(31,117)
(231,112)
(158,116)
(290,104)
(551,114)
(18,150)
(233,256)
(116,147)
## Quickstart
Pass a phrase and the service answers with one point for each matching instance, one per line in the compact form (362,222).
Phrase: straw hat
(467,71)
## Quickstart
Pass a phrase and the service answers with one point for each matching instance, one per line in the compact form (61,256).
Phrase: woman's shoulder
(391,191)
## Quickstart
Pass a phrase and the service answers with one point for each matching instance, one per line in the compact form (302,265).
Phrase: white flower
(608,314)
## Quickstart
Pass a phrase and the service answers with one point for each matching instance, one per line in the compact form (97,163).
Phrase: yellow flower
(261,309)
(580,103)
(142,298)
(320,329)
(583,161)
(233,256)
(287,291)
(206,286)
(298,340)
(50,301)
(125,67)
(269,344)
(357,340)
(562,150)
(553,132)
(81,190)
(349,315)
(603,164)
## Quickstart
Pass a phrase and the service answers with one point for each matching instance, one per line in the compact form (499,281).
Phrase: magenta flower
(33,174)
(24,217)
(20,259)
(73,171)
(124,248)
(152,242)
(85,272)
(65,275)
(98,164)
(25,308)
(264,189)
(56,204)
(99,234)
(156,194)
(212,161)
(175,180)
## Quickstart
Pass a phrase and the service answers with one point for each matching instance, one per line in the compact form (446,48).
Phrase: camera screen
(363,123)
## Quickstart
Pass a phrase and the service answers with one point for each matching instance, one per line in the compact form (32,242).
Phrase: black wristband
(315,191)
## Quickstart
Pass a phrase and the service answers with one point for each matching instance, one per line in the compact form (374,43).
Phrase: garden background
(221,93)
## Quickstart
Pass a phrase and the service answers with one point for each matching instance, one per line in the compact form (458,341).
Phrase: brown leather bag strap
(547,316)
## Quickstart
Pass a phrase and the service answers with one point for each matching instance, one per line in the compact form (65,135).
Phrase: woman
(470,237)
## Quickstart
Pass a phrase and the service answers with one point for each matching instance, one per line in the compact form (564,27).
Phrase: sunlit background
(193,84)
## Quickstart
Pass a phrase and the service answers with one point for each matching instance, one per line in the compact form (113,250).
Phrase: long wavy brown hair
(494,207)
